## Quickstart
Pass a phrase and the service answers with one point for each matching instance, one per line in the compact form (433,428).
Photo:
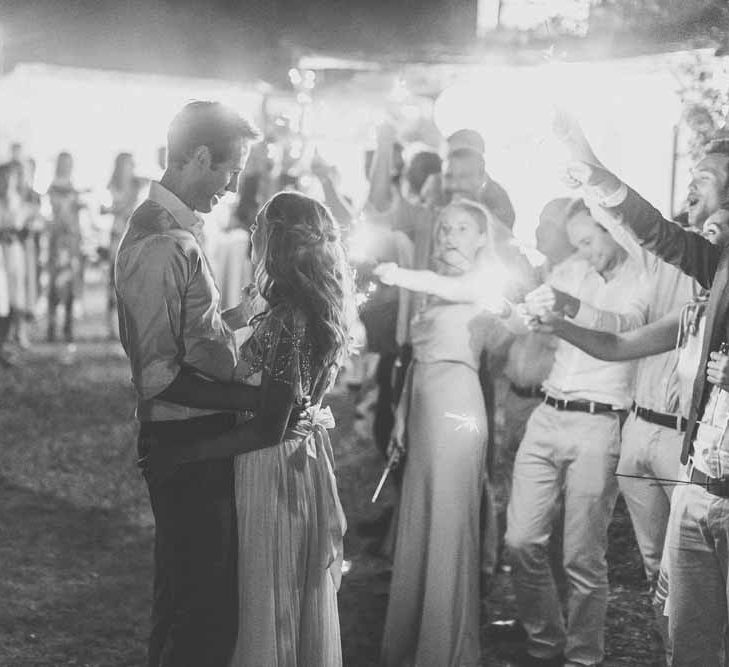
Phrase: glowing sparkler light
(361,297)
(464,422)
(362,243)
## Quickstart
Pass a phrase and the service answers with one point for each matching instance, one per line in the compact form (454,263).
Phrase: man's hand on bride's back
(300,411)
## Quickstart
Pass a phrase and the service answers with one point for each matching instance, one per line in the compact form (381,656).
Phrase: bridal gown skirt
(433,611)
(289,560)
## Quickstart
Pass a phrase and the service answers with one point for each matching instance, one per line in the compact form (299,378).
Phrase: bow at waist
(315,449)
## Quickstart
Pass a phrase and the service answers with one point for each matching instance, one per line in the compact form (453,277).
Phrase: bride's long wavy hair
(306,266)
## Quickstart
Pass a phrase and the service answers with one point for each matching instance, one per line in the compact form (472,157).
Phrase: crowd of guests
(583,419)
(47,242)
(607,362)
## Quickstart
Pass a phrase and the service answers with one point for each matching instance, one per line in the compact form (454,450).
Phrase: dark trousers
(195,606)
(384,408)
(390,377)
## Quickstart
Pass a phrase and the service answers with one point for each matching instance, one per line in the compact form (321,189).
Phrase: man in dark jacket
(698,534)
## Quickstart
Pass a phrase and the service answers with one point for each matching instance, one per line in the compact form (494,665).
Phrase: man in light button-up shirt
(570,452)
(698,532)
(182,358)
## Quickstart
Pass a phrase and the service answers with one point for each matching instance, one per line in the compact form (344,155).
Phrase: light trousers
(649,451)
(569,458)
(698,576)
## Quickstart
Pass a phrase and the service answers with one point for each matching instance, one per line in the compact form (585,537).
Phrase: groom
(182,356)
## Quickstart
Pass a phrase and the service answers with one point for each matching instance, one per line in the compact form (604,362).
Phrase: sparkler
(392,463)
(464,422)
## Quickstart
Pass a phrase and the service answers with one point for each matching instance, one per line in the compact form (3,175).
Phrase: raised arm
(380,194)
(690,252)
(467,288)
(340,209)
(655,338)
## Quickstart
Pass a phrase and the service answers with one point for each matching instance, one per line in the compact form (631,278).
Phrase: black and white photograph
(364,333)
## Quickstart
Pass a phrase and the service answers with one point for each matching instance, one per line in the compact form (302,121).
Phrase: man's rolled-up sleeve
(151,296)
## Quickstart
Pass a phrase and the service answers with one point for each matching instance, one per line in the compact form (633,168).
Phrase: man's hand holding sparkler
(545,307)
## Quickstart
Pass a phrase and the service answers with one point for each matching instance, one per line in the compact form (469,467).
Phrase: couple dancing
(233,443)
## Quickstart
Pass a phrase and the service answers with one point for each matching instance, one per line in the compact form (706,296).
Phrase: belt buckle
(592,407)
(678,423)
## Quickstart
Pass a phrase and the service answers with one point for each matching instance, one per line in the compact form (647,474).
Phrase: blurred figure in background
(35,226)
(124,188)
(492,195)
(13,248)
(64,247)
(529,360)
(232,254)
(7,232)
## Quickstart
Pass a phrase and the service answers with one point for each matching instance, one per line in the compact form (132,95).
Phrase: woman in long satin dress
(433,611)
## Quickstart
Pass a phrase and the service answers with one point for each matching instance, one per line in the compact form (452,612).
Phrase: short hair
(209,124)
(466,138)
(575,208)
(422,165)
(468,154)
(720,146)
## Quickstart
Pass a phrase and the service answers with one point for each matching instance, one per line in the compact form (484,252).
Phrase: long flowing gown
(290,520)
(433,611)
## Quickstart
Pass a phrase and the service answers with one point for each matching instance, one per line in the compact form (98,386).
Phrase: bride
(290,520)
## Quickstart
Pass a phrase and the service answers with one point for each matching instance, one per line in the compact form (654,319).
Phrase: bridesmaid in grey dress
(433,611)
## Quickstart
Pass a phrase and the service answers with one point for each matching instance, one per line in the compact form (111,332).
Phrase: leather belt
(661,419)
(713,485)
(592,407)
(534,391)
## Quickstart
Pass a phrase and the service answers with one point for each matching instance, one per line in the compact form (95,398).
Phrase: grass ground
(76,531)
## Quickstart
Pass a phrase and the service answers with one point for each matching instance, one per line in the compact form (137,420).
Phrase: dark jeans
(195,606)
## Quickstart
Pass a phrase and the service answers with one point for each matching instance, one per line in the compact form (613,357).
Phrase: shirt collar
(181,212)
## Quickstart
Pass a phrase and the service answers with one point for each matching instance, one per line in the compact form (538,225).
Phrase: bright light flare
(363,242)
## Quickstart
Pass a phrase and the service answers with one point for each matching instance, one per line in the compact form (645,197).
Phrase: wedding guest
(437,551)
(125,189)
(567,459)
(653,433)
(530,358)
(5,359)
(33,228)
(697,565)
(492,195)
(64,247)
(12,219)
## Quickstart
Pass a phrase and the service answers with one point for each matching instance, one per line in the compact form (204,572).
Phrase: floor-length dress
(290,520)
(433,611)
